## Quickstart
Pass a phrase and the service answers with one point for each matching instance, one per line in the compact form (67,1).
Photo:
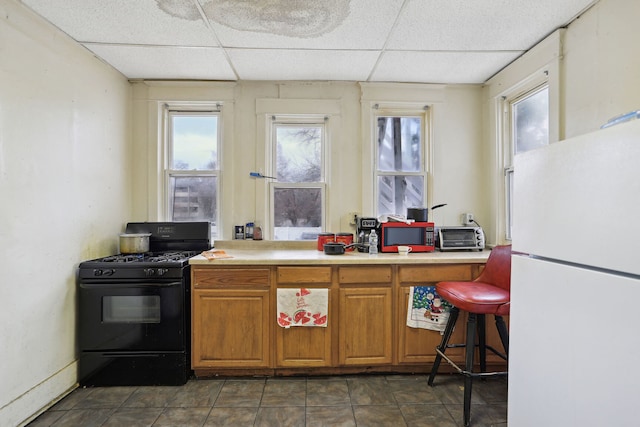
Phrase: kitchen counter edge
(315,257)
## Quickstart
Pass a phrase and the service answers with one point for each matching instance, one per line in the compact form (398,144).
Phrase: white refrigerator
(574,355)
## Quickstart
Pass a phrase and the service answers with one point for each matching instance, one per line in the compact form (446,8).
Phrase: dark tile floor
(365,400)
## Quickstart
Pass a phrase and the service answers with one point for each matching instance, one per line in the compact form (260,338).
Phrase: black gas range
(138,266)
(134,309)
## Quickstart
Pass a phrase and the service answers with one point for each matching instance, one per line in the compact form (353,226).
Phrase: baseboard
(26,407)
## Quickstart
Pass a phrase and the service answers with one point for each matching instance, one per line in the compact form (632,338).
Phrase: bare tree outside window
(299,190)
(400,164)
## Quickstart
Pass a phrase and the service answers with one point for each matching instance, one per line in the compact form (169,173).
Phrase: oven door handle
(129,354)
(129,285)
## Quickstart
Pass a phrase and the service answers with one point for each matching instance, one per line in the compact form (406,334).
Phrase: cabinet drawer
(377,274)
(304,274)
(226,277)
(436,273)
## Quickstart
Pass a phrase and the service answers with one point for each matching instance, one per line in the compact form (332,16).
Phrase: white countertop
(280,256)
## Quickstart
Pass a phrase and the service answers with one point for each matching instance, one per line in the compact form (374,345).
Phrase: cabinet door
(365,333)
(304,346)
(230,328)
(417,345)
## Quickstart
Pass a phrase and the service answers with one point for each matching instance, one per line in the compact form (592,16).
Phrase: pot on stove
(134,243)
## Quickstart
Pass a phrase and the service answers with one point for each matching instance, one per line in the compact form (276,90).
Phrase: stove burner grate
(154,257)
(123,258)
(171,256)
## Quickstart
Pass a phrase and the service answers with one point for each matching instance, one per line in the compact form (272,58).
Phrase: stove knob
(109,272)
(97,272)
(162,271)
(149,272)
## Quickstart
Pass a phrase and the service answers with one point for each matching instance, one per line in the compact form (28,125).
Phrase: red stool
(488,294)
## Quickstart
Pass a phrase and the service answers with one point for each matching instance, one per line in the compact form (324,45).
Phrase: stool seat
(475,297)
(490,293)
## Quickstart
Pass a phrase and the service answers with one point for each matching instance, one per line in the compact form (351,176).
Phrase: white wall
(457,178)
(601,66)
(65,194)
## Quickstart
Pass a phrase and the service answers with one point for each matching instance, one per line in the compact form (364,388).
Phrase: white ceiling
(426,41)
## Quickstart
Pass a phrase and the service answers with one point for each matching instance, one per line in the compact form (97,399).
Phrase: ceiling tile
(440,67)
(145,62)
(265,64)
(309,39)
(150,22)
(480,25)
(308,24)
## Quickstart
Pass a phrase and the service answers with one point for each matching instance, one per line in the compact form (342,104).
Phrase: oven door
(140,316)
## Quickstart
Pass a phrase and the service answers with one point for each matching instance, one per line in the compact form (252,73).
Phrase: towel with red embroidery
(302,307)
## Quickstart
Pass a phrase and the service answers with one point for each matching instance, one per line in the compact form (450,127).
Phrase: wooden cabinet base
(235,328)
(320,371)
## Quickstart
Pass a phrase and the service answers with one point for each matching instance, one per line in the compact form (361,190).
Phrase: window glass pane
(131,309)
(531,121)
(193,198)
(297,213)
(194,142)
(299,153)
(399,144)
(397,193)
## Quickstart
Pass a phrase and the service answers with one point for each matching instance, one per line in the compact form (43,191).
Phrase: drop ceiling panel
(150,22)
(457,25)
(413,40)
(441,67)
(265,64)
(146,62)
(308,24)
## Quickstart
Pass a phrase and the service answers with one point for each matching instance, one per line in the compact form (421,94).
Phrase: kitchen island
(237,328)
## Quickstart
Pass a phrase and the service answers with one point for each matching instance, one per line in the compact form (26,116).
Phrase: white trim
(396,98)
(295,110)
(41,397)
(540,65)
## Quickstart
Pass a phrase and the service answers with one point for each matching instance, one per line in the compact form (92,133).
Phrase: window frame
(533,85)
(190,110)
(297,120)
(423,112)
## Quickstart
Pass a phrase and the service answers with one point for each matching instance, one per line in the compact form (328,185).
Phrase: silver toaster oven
(456,238)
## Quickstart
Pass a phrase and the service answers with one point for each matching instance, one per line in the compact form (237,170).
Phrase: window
(193,168)
(528,124)
(400,163)
(298,193)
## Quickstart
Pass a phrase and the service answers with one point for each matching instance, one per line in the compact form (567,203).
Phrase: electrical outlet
(467,218)
(352,217)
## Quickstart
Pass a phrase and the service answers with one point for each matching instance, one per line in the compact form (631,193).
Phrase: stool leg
(468,380)
(448,330)
(482,342)
(503,332)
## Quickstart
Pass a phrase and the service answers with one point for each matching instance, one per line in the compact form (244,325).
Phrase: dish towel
(427,309)
(303,307)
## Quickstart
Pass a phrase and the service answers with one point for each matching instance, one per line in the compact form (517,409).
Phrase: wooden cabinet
(230,318)
(304,346)
(416,345)
(365,316)
(235,328)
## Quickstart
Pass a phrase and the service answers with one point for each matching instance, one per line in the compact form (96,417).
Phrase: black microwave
(460,238)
